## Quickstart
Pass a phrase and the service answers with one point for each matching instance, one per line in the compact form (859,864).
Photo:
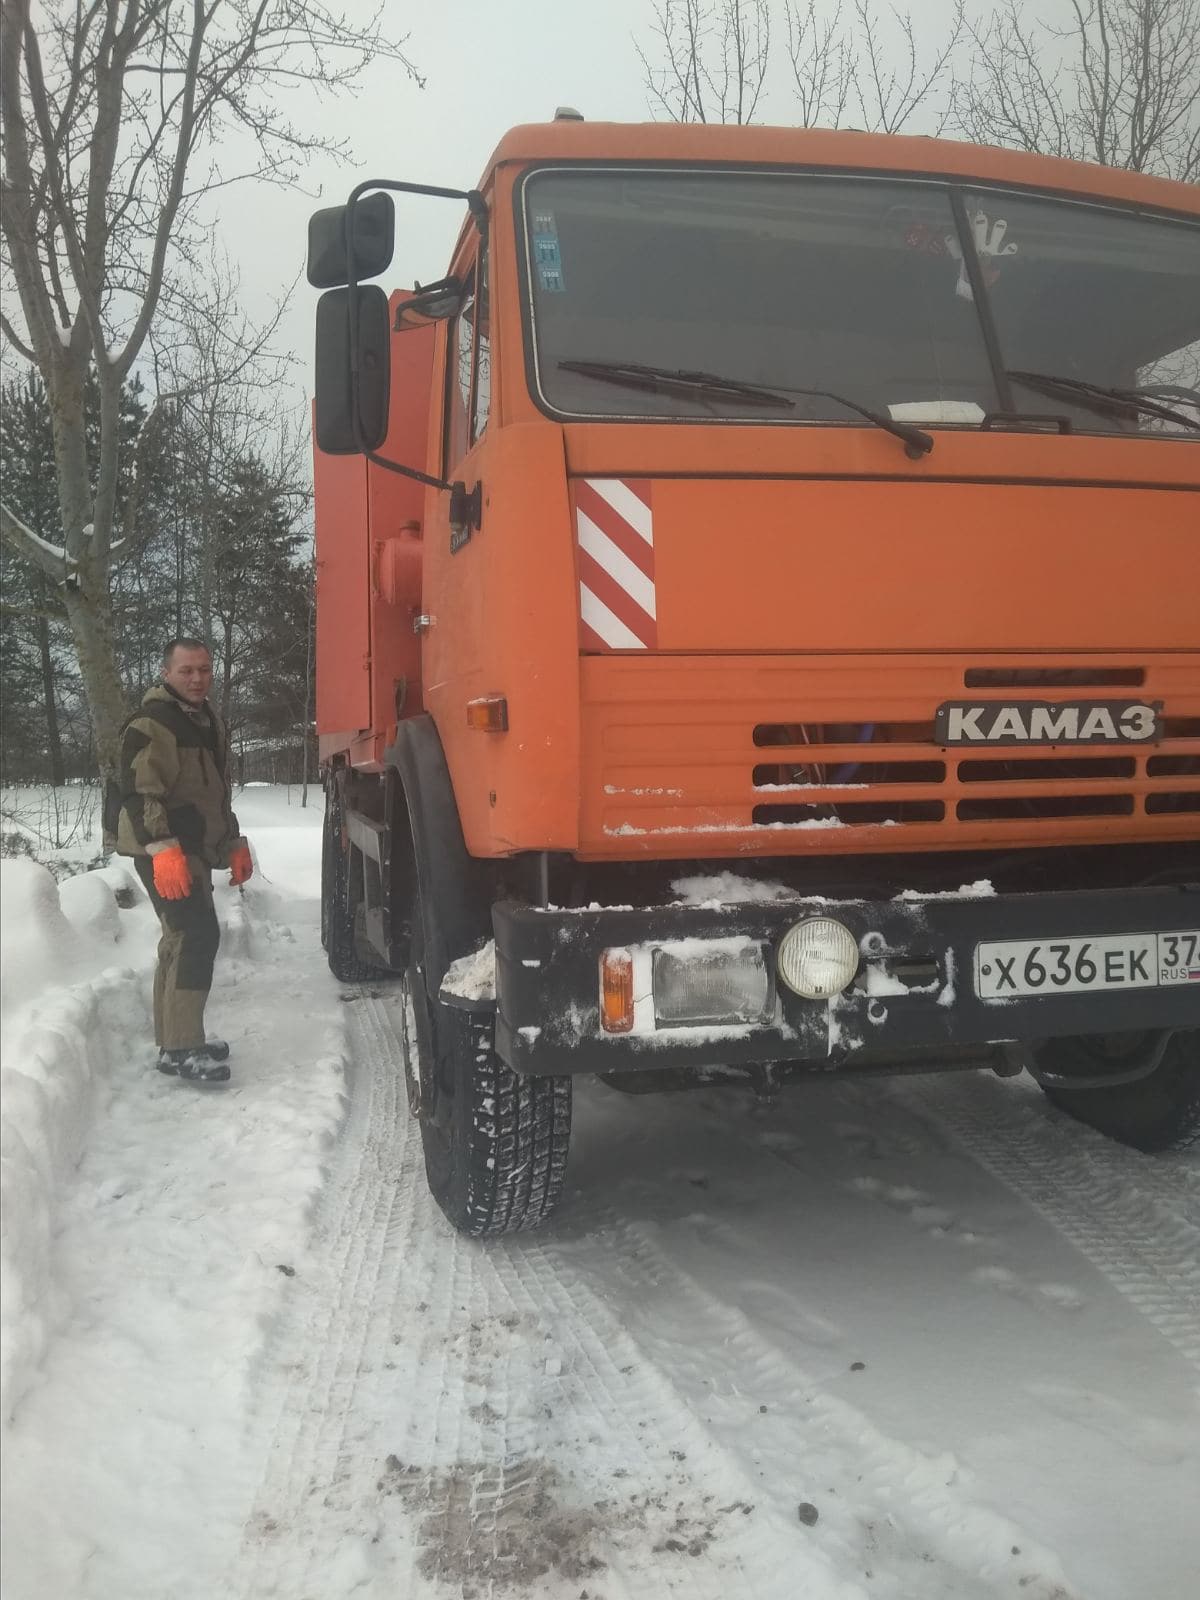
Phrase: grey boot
(196,1064)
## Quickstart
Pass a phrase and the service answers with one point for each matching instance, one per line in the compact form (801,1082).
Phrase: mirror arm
(477,206)
(394,466)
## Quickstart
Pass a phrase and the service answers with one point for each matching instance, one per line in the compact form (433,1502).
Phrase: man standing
(177,823)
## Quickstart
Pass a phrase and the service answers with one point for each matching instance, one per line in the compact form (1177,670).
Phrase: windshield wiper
(917,442)
(712,385)
(664,379)
(1127,404)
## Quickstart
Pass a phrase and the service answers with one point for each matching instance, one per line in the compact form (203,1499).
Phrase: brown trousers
(186,953)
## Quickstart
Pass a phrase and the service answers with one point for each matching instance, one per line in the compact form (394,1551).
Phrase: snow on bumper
(915,987)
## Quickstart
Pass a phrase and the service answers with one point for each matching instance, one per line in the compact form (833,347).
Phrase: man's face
(189,673)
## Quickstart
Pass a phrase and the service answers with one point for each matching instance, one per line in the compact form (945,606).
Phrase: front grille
(845,752)
(1049,783)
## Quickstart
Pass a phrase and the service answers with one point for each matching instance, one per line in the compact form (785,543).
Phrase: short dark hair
(183,643)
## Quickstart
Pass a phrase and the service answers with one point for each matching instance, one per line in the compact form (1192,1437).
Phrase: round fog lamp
(818,958)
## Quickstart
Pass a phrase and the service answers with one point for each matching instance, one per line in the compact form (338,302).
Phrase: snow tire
(1157,1113)
(495,1141)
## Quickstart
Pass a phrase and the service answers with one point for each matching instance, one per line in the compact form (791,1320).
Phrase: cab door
(455,586)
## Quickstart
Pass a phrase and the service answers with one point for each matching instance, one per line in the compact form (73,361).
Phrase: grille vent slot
(867,733)
(851,812)
(1173,767)
(1186,800)
(794,774)
(1056,767)
(1053,677)
(997,808)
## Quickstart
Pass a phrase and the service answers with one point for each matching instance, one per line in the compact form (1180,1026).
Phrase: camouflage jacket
(175,781)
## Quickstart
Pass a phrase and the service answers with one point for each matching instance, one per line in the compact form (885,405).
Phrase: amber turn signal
(488,714)
(616,991)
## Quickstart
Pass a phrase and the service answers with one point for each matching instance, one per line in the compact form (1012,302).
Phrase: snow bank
(38,945)
(54,1063)
(90,906)
(67,1014)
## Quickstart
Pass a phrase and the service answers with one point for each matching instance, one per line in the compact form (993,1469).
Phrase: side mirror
(374,241)
(432,302)
(347,388)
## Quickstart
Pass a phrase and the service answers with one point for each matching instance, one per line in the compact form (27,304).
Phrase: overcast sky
(488,64)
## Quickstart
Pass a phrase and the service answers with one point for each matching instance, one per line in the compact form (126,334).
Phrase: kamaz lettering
(1036,722)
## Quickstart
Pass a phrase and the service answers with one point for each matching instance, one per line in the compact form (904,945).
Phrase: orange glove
(241,867)
(172,875)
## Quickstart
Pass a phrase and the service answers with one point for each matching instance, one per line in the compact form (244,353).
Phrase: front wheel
(1160,1111)
(495,1141)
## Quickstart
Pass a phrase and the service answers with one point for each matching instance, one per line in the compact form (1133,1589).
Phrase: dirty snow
(919,1339)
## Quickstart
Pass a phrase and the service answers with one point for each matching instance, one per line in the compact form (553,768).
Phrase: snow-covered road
(916,1339)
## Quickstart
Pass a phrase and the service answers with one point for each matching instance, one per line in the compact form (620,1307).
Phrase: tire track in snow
(374,1486)
(907,1504)
(1135,1217)
(318,1342)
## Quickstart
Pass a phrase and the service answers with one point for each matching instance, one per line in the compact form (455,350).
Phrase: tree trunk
(58,771)
(90,615)
(227,664)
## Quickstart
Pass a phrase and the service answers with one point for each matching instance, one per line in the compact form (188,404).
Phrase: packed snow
(919,1339)
(472,977)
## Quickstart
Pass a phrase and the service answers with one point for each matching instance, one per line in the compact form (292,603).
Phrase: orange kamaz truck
(758,629)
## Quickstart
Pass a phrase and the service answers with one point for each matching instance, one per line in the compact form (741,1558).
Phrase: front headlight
(721,986)
(818,958)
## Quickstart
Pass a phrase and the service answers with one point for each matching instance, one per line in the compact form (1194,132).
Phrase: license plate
(1015,968)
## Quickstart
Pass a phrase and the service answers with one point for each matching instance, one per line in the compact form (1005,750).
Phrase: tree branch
(48,558)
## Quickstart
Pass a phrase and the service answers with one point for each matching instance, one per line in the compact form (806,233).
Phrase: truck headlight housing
(719,986)
(818,958)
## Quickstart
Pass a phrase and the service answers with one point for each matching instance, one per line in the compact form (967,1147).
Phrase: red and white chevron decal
(614,536)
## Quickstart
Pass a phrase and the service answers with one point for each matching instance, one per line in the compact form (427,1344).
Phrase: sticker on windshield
(990,246)
(547,257)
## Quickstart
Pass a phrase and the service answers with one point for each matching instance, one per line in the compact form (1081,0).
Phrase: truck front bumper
(915,990)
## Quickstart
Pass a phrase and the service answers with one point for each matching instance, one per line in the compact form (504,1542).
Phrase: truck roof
(840,149)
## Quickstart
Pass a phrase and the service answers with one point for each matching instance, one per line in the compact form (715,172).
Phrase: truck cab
(757,629)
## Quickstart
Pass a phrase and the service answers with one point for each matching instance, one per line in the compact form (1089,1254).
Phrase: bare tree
(714,59)
(112,114)
(231,400)
(893,80)
(1114,81)
(822,62)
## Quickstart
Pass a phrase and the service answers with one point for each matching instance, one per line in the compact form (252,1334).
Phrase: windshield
(857,287)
